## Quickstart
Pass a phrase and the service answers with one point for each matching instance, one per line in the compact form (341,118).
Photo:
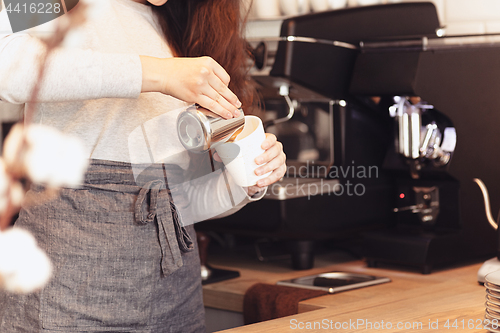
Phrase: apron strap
(172,237)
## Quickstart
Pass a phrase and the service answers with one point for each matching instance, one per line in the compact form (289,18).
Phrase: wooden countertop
(449,300)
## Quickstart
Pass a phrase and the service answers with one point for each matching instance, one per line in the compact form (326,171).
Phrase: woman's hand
(193,80)
(273,159)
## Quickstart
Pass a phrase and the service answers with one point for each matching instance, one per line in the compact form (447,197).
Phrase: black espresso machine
(372,99)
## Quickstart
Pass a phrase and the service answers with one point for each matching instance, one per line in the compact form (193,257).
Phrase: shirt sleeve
(213,195)
(70,74)
(240,198)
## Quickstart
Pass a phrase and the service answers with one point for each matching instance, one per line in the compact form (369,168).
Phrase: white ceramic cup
(304,6)
(337,4)
(369,2)
(267,8)
(289,7)
(239,156)
(247,9)
(319,5)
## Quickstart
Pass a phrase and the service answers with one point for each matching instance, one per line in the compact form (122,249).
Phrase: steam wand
(492,264)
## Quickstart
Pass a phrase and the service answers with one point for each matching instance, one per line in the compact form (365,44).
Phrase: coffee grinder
(438,152)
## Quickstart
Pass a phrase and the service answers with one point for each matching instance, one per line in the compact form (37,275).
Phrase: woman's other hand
(194,80)
(273,159)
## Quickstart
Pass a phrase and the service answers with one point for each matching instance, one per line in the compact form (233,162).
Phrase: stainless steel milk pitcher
(200,129)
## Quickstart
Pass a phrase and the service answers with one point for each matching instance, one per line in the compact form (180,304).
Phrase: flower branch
(39,154)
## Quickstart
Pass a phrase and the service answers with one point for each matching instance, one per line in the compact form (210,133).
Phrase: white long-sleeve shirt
(92,89)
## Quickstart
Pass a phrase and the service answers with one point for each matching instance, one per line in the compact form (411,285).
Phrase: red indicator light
(402,195)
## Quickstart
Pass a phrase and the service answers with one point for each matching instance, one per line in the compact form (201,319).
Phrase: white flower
(24,267)
(73,39)
(13,191)
(16,194)
(48,156)
(4,186)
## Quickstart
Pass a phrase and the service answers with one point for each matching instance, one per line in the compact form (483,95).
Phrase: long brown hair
(195,28)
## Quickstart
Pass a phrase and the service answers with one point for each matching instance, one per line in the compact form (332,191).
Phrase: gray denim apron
(122,261)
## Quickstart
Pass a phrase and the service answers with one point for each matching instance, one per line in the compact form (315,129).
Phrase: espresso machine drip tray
(334,282)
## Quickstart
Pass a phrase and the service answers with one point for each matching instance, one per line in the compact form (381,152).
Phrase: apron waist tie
(172,240)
